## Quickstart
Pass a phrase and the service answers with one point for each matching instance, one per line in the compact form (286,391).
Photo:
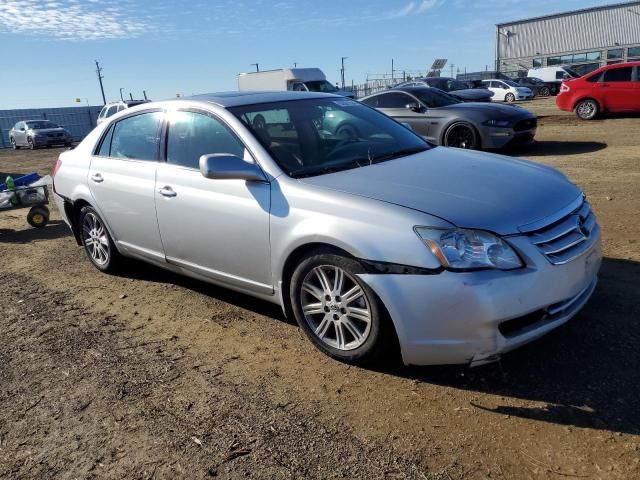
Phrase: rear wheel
(509,98)
(587,109)
(461,135)
(97,242)
(38,216)
(338,312)
(544,92)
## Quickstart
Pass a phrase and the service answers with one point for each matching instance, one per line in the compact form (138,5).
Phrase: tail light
(56,167)
(564,88)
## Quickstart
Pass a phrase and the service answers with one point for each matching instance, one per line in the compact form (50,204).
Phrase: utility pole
(452,65)
(295,64)
(100,77)
(121,97)
(257,66)
(342,59)
(392,70)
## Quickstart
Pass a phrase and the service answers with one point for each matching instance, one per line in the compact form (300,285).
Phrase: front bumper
(496,138)
(524,96)
(41,141)
(473,317)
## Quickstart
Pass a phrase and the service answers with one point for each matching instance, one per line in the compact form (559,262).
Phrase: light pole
(342,59)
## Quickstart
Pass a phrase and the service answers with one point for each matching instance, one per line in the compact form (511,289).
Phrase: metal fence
(77,120)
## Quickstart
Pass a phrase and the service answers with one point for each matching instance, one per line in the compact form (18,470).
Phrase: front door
(618,89)
(216,228)
(122,181)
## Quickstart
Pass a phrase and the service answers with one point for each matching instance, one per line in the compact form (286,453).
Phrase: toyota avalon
(372,243)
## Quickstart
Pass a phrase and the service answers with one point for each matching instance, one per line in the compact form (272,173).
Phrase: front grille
(565,239)
(527,124)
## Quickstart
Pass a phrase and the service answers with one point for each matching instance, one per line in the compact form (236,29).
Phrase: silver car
(372,244)
(38,133)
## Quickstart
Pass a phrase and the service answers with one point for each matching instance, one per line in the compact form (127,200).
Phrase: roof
(237,99)
(572,12)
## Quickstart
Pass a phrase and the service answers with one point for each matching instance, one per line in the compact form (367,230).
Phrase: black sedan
(443,120)
(539,87)
(453,87)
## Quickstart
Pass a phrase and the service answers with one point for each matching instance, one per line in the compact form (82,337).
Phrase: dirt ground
(151,375)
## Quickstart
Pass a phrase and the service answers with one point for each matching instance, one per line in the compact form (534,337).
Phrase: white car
(507,90)
(112,108)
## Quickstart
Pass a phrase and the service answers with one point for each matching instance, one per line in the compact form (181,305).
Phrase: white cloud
(416,8)
(70,19)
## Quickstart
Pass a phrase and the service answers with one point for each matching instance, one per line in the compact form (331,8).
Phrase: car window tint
(393,100)
(137,137)
(192,135)
(618,74)
(102,112)
(372,102)
(105,146)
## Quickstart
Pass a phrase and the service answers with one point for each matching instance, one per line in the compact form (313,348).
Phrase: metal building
(583,39)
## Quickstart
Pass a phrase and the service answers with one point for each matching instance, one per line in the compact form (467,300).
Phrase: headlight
(497,123)
(459,249)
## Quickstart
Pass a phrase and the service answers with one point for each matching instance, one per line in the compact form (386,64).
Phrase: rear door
(122,181)
(618,89)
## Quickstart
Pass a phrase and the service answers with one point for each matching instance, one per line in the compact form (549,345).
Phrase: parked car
(614,88)
(38,133)
(114,107)
(444,120)
(370,244)
(453,87)
(507,90)
(539,87)
(295,79)
(555,74)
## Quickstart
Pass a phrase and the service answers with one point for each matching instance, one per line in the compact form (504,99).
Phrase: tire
(461,135)
(544,92)
(97,242)
(12,141)
(38,216)
(587,109)
(509,98)
(355,330)
(32,145)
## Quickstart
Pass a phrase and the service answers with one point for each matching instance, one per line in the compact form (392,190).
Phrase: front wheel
(97,242)
(587,109)
(509,98)
(13,143)
(461,135)
(31,143)
(338,312)
(544,92)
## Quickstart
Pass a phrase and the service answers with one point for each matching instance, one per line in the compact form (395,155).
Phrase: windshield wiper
(399,153)
(310,172)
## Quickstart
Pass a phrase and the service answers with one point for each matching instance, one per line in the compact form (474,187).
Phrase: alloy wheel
(13,143)
(586,109)
(460,137)
(510,98)
(335,307)
(95,239)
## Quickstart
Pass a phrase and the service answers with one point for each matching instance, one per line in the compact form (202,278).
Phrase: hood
(472,94)
(508,111)
(469,189)
(44,131)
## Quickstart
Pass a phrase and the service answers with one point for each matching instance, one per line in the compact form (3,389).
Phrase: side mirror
(407,125)
(413,106)
(226,166)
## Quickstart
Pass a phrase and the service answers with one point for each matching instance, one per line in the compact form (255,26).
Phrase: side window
(618,74)
(103,112)
(192,135)
(105,146)
(137,137)
(595,78)
(393,100)
(372,102)
(112,109)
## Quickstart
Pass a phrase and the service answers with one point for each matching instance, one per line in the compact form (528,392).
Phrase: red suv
(614,88)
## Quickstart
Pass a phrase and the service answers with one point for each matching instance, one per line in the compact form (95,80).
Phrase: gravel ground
(151,375)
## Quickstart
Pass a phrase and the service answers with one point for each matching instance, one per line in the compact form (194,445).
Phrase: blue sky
(173,46)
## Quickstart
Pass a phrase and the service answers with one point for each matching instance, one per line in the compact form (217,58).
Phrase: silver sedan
(375,244)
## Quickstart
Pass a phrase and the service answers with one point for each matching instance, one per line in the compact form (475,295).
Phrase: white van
(553,74)
(296,79)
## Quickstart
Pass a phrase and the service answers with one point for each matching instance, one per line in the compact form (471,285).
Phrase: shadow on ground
(587,372)
(54,229)
(545,148)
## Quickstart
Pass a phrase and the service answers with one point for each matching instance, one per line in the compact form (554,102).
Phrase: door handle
(96,177)
(167,191)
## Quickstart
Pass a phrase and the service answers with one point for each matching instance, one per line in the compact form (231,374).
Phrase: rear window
(137,137)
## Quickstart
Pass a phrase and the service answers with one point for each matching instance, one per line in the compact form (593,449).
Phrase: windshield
(41,124)
(321,86)
(511,83)
(316,136)
(434,98)
(571,72)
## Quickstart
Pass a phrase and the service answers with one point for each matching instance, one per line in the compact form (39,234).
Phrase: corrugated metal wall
(77,120)
(597,29)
